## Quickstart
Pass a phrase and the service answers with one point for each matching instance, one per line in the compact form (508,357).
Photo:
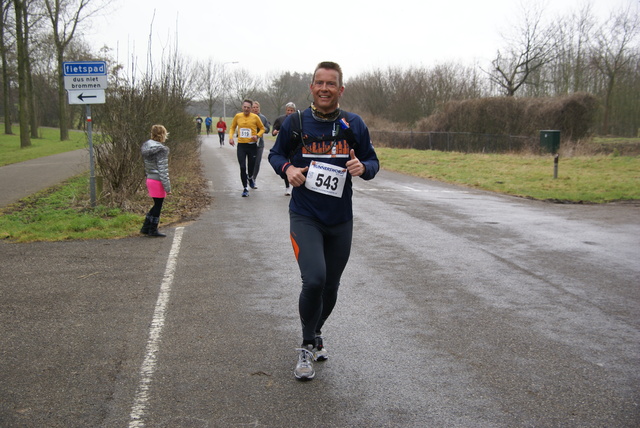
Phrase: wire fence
(464,142)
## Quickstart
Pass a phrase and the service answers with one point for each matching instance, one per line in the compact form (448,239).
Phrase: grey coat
(156,162)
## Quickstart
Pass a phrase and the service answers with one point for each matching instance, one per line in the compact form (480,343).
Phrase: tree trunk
(23,110)
(6,96)
(6,87)
(607,105)
(33,115)
(62,100)
(33,118)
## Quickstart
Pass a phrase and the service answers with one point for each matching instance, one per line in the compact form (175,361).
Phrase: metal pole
(92,172)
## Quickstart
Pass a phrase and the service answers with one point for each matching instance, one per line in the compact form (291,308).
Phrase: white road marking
(402,188)
(138,410)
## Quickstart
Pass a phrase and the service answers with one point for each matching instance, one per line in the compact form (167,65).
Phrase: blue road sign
(85,68)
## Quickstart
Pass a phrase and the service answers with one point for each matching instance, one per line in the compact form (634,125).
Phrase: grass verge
(589,179)
(48,144)
(63,212)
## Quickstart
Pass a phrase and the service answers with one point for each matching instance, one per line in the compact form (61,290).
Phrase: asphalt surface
(20,180)
(459,308)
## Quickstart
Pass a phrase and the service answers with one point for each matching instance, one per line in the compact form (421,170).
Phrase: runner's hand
(354,166)
(296,175)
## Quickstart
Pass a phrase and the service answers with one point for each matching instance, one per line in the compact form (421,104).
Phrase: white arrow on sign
(87,96)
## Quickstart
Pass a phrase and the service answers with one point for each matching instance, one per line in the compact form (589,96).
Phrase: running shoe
(304,369)
(252,184)
(245,193)
(320,353)
(287,191)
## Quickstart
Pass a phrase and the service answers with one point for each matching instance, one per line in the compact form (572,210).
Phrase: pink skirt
(156,190)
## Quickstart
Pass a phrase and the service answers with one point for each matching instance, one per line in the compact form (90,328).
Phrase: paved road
(20,180)
(459,308)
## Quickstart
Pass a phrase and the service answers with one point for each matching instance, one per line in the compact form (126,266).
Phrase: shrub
(574,115)
(125,121)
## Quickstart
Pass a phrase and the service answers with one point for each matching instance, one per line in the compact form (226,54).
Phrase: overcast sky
(294,35)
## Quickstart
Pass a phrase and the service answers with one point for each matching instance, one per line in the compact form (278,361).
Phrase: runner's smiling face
(326,90)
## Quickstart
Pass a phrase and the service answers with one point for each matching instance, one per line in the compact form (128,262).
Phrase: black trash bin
(550,140)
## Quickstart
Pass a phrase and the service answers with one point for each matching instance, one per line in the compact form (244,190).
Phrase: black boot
(146,225)
(153,228)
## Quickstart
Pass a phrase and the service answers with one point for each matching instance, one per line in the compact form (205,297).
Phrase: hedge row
(574,115)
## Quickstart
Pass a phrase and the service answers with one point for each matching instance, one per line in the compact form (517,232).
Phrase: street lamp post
(224,89)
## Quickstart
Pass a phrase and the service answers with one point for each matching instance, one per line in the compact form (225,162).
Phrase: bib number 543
(329,182)
(326,178)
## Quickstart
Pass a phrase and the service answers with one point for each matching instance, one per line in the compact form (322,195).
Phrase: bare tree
(409,95)
(6,84)
(31,19)
(65,17)
(624,118)
(584,27)
(286,87)
(241,85)
(569,72)
(525,54)
(613,52)
(408,89)
(369,93)
(211,76)
(23,101)
(125,121)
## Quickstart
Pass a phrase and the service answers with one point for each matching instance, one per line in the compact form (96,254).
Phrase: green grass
(615,140)
(62,213)
(593,179)
(48,144)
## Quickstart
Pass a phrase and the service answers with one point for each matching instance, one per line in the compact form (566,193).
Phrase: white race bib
(244,133)
(326,179)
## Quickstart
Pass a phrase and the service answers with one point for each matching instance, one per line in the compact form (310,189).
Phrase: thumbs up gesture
(354,166)
(296,176)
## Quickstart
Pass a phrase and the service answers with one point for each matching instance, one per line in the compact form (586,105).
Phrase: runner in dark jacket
(335,148)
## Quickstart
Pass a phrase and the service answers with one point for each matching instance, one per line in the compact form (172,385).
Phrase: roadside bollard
(556,158)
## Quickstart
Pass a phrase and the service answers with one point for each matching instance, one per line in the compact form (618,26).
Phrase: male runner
(336,147)
(250,129)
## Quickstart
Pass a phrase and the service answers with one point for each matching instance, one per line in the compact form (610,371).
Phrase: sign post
(85,82)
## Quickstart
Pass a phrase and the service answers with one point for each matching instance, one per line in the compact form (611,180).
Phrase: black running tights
(246,155)
(322,253)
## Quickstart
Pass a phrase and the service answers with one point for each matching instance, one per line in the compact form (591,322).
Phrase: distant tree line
(572,54)
(539,58)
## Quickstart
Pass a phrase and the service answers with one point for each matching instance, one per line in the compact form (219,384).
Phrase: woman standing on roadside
(156,168)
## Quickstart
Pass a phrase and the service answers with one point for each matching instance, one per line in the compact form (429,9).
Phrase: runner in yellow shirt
(250,129)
